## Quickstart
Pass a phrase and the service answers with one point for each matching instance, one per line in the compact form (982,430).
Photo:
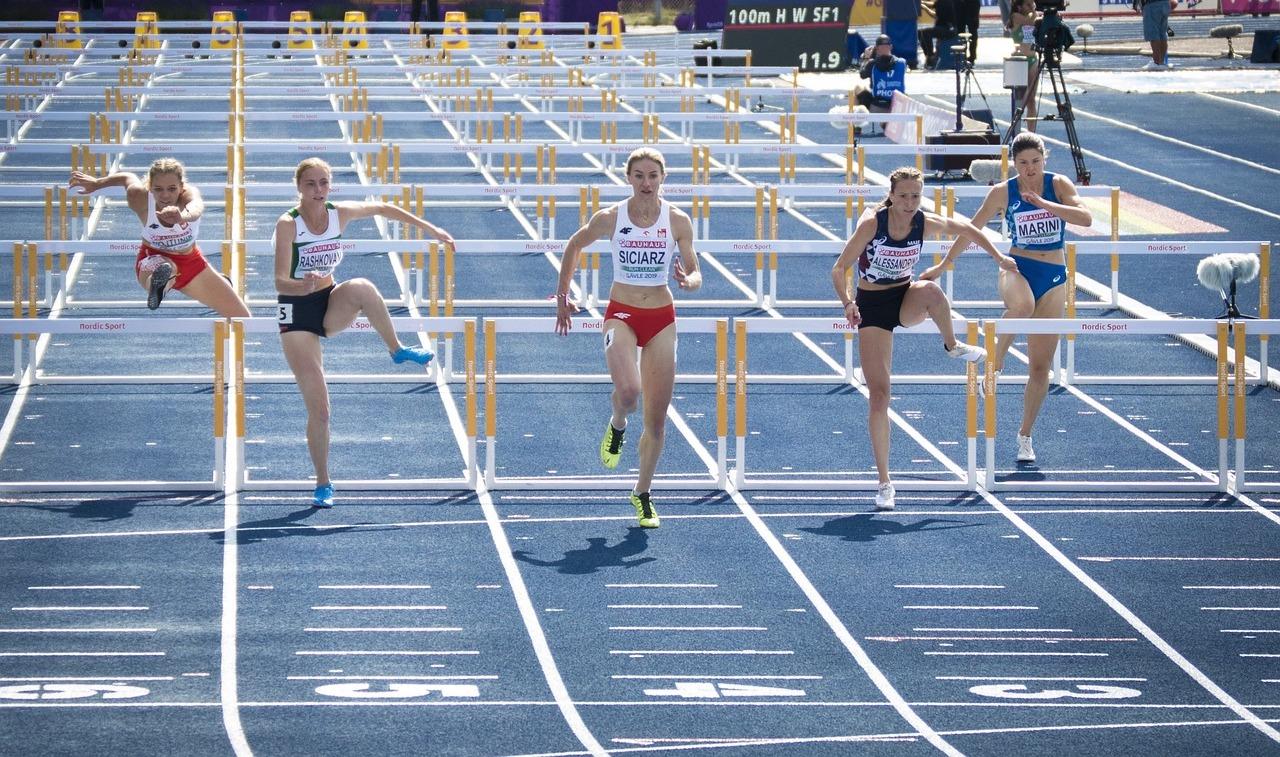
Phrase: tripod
(965,79)
(1050,48)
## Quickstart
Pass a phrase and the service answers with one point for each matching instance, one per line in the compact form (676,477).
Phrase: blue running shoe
(419,355)
(323,496)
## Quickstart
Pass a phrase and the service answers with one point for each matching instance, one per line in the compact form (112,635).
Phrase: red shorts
(645,323)
(189,264)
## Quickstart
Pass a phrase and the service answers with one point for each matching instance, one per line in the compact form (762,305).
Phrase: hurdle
(742,480)
(716,478)
(39,329)
(464,326)
(1112,327)
(1263,328)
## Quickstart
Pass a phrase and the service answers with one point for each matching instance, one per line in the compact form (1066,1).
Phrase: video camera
(1052,34)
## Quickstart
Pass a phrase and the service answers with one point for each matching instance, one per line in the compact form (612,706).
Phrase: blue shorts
(1155,20)
(1040,275)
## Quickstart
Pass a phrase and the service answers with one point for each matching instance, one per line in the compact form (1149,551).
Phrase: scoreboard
(803,33)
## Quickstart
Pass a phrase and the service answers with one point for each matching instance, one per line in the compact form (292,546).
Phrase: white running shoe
(1153,66)
(982,385)
(884,497)
(967,352)
(1025,453)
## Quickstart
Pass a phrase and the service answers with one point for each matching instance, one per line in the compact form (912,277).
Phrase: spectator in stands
(969,12)
(1155,29)
(887,72)
(943,29)
(1022,23)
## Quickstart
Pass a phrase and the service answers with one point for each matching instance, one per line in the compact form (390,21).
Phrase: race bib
(284,313)
(1037,226)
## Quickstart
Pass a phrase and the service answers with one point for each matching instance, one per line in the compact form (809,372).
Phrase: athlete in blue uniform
(1037,206)
(886,246)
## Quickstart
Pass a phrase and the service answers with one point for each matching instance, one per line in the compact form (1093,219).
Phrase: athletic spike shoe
(967,352)
(884,497)
(611,445)
(323,497)
(644,510)
(419,355)
(159,280)
(982,384)
(1026,454)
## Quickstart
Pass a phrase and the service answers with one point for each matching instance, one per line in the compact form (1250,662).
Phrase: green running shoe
(611,445)
(644,510)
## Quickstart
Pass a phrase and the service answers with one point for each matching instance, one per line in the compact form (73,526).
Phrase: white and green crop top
(317,254)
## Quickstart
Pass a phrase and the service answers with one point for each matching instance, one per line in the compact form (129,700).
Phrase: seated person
(944,28)
(887,72)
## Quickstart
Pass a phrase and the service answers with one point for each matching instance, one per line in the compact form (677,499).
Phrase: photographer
(887,72)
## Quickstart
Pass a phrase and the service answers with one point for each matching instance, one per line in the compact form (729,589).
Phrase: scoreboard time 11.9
(809,35)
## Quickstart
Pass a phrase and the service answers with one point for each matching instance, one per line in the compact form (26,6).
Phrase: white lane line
(84,588)
(90,678)
(1180,559)
(378,607)
(1017,654)
(109,534)
(1240,103)
(1243,609)
(1254,164)
(662,586)
(970,607)
(712,652)
(386,629)
(688,628)
(716,677)
(995,630)
(82,608)
(77,630)
(1236,588)
(1249,630)
(948,586)
(1255,654)
(673,607)
(1131,618)
(392,652)
(362,587)
(1037,678)
(391,678)
(228,651)
(82,654)
(999,638)
(1154,175)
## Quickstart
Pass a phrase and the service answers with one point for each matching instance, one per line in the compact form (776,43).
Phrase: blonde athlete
(1037,206)
(645,232)
(886,246)
(170,211)
(308,243)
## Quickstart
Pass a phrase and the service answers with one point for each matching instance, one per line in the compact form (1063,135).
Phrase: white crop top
(643,256)
(317,254)
(180,236)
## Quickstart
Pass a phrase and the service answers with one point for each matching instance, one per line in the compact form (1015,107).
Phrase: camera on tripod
(1052,34)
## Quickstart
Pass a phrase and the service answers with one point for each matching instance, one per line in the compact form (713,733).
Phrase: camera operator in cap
(887,72)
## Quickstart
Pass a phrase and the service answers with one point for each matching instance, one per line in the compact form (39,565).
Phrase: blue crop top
(1030,226)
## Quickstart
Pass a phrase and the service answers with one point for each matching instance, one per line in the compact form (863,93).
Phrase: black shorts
(303,312)
(880,307)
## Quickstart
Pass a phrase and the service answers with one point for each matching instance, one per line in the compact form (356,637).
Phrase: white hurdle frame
(25,329)
(466,326)
(717,479)
(1222,482)
(740,477)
